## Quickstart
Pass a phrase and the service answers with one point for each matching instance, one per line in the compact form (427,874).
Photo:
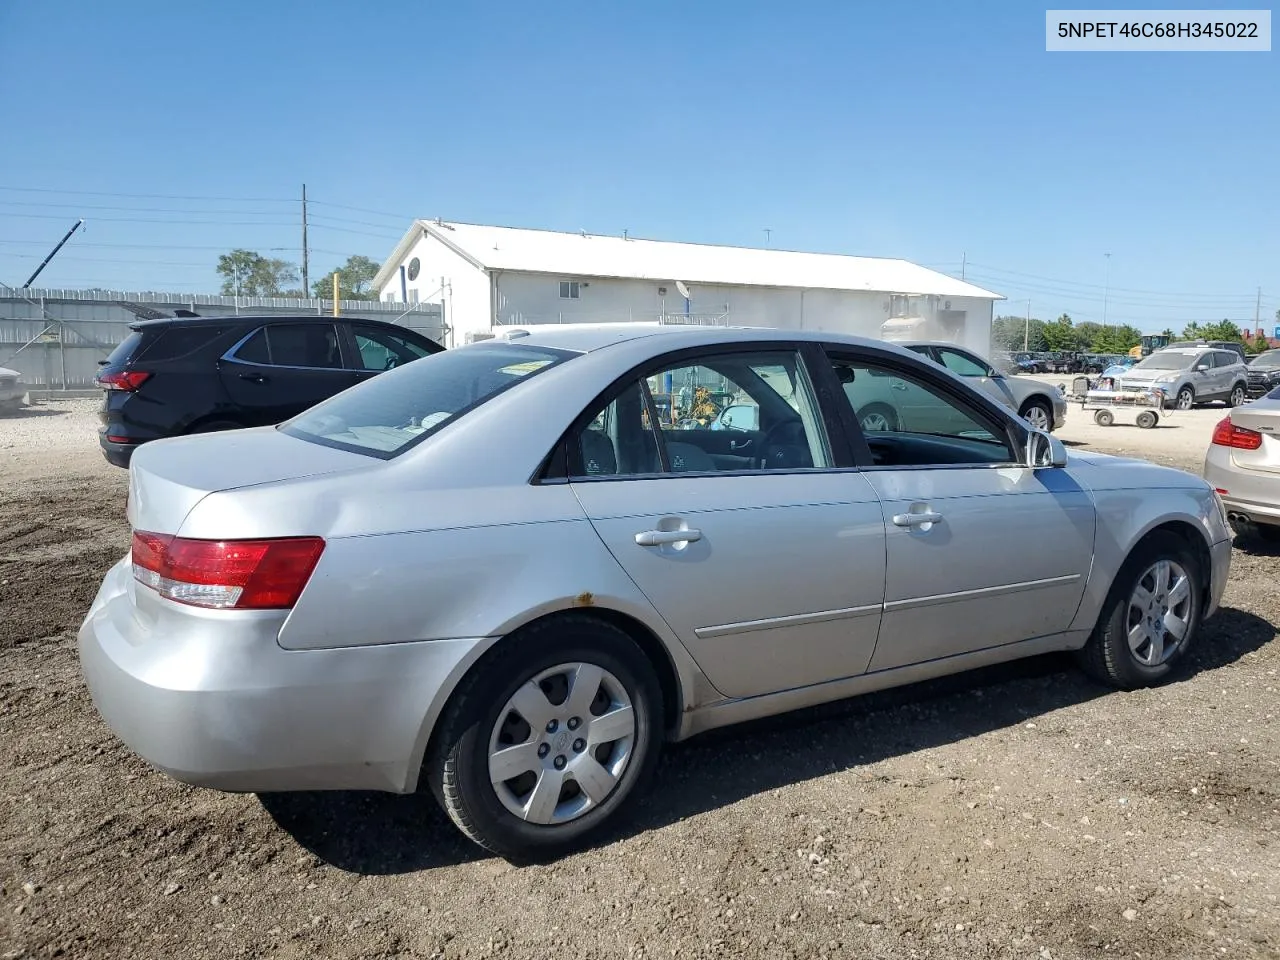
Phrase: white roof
(574,255)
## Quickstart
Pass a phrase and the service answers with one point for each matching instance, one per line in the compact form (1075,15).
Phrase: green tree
(1062,334)
(1009,333)
(1192,331)
(1118,339)
(1223,330)
(1167,332)
(247,273)
(355,280)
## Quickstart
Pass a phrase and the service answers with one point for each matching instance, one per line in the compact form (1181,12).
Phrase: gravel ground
(1019,812)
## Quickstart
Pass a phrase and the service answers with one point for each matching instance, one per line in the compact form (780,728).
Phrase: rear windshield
(387,415)
(124,350)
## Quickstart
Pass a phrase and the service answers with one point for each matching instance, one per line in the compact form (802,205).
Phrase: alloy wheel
(561,743)
(1159,613)
(1186,399)
(1038,417)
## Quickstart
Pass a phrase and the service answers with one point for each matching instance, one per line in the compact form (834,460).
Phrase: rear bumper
(117,454)
(1251,494)
(210,698)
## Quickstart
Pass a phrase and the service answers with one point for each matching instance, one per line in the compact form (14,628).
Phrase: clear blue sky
(922,130)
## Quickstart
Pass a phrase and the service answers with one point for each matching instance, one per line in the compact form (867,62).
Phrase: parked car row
(498,574)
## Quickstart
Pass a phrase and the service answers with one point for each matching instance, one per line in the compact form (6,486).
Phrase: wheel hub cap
(561,744)
(1159,613)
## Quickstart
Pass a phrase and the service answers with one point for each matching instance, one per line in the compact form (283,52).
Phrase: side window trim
(999,424)
(230,355)
(655,428)
(343,351)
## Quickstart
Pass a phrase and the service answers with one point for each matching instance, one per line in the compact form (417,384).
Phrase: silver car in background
(1190,375)
(1243,466)
(508,572)
(1041,404)
(12,390)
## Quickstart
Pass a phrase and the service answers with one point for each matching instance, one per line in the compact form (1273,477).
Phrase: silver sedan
(509,572)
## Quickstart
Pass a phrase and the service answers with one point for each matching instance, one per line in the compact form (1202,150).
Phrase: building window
(569,290)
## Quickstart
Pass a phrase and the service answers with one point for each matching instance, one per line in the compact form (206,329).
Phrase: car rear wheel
(1237,396)
(1038,414)
(547,740)
(1150,618)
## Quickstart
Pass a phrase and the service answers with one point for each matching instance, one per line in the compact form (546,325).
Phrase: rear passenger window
(254,350)
(313,345)
(735,412)
(304,345)
(177,342)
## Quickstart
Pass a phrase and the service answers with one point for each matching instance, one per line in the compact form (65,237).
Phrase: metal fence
(55,338)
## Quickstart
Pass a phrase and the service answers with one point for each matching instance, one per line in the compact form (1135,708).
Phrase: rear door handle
(253,377)
(924,517)
(656,538)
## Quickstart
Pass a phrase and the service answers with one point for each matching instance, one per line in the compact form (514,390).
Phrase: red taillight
(129,380)
(1227,434)
(226,574)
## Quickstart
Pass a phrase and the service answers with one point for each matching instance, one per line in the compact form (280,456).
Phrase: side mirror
(1045,450)
(1202,368)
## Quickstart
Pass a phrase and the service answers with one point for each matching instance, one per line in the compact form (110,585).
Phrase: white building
(490,276)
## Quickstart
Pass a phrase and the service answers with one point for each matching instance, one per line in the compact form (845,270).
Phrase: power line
(1099,286)
(145,196)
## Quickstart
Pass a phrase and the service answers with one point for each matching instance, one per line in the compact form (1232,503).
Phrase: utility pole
(306,253)
(1026,330)
(1106,289)
(964,262)
(1257,313)
(768,235)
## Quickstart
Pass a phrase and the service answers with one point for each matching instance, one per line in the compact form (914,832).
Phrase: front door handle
(253,377)
(657,538)
(913,519)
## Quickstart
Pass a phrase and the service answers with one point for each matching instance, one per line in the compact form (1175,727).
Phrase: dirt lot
(1021,812)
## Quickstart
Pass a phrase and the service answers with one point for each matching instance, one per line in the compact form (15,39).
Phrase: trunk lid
(1262,416)
(167,478)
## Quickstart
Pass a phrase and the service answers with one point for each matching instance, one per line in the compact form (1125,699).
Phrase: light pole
(1106,289)
(1026,330)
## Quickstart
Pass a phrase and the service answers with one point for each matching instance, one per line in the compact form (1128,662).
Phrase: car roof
(586,337)
(223,320)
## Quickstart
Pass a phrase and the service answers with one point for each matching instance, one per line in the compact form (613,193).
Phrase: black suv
(199,374)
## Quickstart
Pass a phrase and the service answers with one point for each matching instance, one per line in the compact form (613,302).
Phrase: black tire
(880,409)
(1237,396)
(1106,656)
(215,426)
(1147,419)
(1104,418)
(1043,408)
(1185,399)
(457,764)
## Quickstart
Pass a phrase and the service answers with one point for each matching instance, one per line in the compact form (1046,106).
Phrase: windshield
(387,415)
(1267,361)
(1166,361)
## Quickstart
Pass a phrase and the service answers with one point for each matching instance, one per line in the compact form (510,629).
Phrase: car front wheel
(1186,399)
(548,739)
(1237,396)
(1036,413)
(1150,618)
